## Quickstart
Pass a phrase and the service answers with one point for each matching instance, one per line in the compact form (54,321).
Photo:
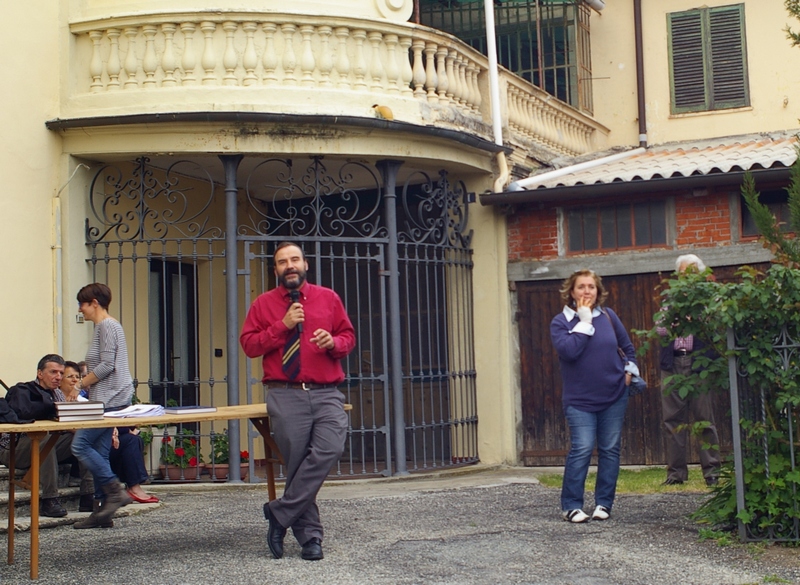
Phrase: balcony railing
(305,64)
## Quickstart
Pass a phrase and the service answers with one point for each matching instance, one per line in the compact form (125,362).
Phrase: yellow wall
(772,65)
(29,165)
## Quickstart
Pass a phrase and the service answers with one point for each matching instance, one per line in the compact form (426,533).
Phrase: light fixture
(596,4)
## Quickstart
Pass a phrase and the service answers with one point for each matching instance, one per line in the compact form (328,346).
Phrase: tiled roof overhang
(670,167)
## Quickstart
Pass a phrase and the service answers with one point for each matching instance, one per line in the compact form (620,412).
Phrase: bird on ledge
(383,112)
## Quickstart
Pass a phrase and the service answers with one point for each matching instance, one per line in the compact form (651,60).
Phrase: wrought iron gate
(399,258)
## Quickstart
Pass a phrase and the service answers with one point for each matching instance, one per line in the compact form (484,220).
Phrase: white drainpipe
(530,182)
(494,96)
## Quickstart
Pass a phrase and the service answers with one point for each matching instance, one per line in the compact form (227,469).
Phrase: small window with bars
(708,59)
(617,227)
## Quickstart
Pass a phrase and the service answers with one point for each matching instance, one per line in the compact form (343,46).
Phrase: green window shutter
(708,63)
(728,60)
(687,61)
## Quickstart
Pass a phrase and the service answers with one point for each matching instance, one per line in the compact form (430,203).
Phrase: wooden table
(36,431)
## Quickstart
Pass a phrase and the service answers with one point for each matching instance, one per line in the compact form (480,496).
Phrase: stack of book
(75,411)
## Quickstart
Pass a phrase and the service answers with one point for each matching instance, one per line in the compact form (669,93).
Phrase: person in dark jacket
(676,358)
(595,377)
(36,400)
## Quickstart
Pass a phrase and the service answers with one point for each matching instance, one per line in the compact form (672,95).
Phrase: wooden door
(635,299)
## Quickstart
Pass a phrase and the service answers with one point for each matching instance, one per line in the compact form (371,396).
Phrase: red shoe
(148,500)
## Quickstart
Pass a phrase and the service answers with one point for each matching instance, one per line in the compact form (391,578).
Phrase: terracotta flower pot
(220,471)
(173,473)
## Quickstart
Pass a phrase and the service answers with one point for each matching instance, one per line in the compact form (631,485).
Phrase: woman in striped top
(109,381)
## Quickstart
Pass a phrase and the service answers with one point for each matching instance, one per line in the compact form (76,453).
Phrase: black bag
(637,386)
(30,401)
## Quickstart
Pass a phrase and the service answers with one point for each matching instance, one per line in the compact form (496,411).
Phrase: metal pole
(231,164)
(494,76)
(389,169)
(737,433)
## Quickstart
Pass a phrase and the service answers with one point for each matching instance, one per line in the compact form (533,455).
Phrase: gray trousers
(48,469)
(310,429)
(675,411)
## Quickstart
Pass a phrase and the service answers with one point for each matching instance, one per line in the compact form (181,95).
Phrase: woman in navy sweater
(594,390)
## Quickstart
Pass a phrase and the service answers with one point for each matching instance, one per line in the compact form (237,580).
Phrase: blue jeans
(586,429)
(91,447)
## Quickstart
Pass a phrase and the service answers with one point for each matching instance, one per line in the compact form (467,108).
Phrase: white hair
(689,260)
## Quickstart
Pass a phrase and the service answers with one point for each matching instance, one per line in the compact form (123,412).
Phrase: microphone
(294,295)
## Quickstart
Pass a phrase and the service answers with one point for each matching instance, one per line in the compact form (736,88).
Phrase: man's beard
(301,278)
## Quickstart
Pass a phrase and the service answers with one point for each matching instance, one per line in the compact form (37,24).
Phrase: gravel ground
(503,529)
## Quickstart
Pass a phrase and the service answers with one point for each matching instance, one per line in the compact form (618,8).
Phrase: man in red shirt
(301,331)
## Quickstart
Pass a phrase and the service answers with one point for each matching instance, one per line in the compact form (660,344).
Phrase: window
(614,227)
(778,203)
(707,59)
(546,43)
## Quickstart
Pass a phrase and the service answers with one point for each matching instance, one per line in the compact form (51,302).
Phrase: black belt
(678,352)
(296,385)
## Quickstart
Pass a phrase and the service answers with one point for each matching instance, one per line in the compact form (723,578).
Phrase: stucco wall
(772,66)
(29,165)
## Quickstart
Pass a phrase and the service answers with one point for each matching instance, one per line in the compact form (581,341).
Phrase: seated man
(35,400)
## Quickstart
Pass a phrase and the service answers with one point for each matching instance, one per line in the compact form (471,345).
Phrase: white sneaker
(601,513)
(575,516)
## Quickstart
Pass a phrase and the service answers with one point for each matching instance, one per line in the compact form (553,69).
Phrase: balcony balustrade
(301,64)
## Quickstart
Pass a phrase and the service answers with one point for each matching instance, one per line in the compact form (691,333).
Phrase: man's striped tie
(291,355)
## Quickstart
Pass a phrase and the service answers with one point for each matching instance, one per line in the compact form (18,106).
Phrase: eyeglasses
(73,377)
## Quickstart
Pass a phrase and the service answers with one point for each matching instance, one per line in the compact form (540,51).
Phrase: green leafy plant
(220,449)
(181,451)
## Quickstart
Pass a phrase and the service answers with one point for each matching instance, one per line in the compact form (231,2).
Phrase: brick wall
(532,234)
(700,221)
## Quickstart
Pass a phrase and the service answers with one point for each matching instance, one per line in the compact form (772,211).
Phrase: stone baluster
(511,98)
(458,88)
(462,81)
(392,71)
(360,66)
(113,66)
(150,61)
(325,56)
(209,59)
(406,72)
(289,58)
(96,64)
(538,119)
(168,61)
(441,73)
(250,58)
(307,61)
(188,61)
(475,91)
(270,58)
(131,62)
(376,64)
(430,71)
(418,77)
(532,115)
(451,87)
(230,58)
(342,60)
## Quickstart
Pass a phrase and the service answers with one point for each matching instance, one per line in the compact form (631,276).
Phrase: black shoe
(673,481)
(275,534)
(312,550)
(87,503)
(52,508)
(712,481)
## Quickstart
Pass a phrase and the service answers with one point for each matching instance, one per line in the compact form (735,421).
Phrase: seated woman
(127,463)
(78,475)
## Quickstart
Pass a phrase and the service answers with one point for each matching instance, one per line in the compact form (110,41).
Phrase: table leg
(35,462)
(12,465)
(271,453)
